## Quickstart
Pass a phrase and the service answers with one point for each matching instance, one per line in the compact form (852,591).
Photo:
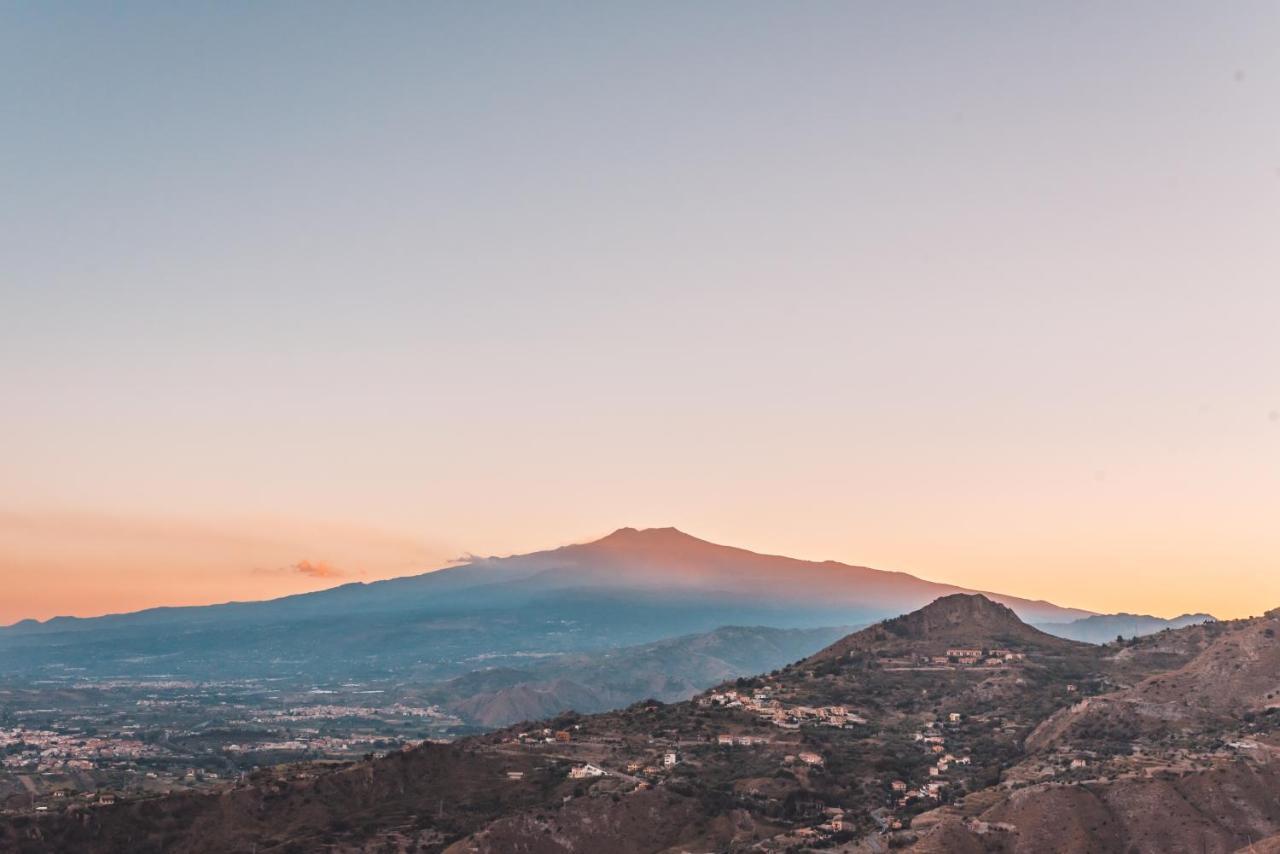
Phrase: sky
(297,294)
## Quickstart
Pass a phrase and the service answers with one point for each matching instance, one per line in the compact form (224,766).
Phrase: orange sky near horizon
(85,565)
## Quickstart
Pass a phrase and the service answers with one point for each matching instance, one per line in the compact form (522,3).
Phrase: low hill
(960,621)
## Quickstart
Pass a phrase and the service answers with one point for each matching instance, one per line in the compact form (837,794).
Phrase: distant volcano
(666,559)
(630,587)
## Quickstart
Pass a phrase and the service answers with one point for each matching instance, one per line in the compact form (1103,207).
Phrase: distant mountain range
(1103,628)
(631,587)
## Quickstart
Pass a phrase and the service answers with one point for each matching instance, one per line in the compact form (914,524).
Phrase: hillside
(1184,759)
(959,621)
(668,670)
(858,716)
(1237,675)
(895,736)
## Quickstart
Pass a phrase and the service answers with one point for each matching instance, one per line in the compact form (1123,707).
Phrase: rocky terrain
(954,728)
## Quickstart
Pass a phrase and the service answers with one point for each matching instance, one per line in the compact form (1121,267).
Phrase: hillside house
(898,786)
(724,740)
(563,736)
(810,758)
(582,772)
(669,759)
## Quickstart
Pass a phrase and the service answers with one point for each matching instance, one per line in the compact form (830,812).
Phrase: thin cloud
(317,569)
(309,568)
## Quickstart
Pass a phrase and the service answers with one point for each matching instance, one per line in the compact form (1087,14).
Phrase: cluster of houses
(761,703)
(1074,763)
(44,750)
(652,767)
(333,712)
(586,771)
(834,822)
(905,793)
(933,741)
(975,657)
(545,736)
(309,740)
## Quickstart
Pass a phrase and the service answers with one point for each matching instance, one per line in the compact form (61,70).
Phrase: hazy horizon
(333,579)
(293,296)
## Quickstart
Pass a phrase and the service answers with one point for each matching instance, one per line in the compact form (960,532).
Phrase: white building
(581,772)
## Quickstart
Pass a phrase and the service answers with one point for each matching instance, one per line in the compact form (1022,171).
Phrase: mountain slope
(668,670)
(1237,674)
(667,560)
(631,587)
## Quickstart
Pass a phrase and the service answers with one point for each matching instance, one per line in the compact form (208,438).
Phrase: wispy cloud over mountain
(317,569)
